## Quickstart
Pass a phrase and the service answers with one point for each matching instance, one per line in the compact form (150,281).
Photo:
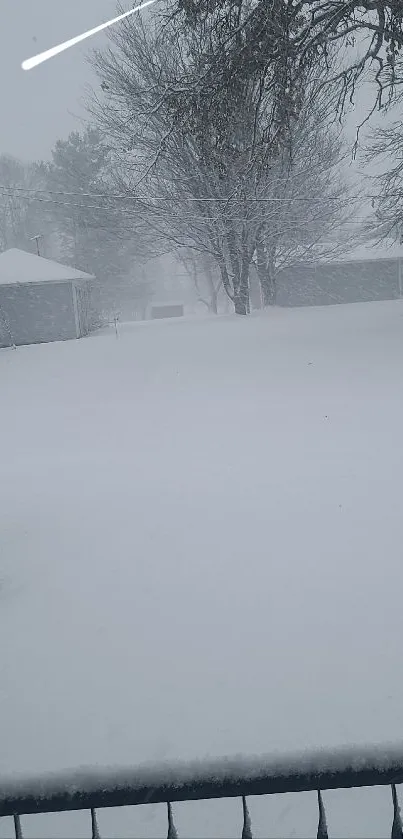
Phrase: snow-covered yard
(201,554)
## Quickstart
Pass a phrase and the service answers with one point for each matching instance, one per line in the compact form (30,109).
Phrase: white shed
(42,300)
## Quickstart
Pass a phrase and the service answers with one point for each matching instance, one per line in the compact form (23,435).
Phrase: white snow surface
(17,266)
(201,555)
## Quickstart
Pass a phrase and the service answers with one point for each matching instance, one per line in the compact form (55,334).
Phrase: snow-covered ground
(201,554)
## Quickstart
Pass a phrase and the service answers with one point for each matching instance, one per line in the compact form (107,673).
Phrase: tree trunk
(213,304)
(238,289)
(241,295)
(269,289)
(213,294)
(240,306)
(266,276)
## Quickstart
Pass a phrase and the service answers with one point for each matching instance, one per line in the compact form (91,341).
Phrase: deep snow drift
(201,548)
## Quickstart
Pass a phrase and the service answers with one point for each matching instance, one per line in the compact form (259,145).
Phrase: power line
(60,203)
(200,219)
(118,197)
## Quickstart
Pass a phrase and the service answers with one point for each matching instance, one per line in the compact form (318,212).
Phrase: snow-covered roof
(369,252)
(17,266)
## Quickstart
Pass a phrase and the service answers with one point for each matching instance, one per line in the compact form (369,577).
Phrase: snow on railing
(92,789)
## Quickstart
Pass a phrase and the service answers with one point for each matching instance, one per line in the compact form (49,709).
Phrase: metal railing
(90,790)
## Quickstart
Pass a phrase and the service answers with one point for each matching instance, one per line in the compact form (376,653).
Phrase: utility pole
(36,239)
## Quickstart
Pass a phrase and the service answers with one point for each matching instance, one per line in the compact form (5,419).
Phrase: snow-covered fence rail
(241,777)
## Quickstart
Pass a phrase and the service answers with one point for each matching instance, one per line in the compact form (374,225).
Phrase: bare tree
(221,185)
(200,267)
(286,36)
(194,181)
(385,149)
(209,181)
(309,196)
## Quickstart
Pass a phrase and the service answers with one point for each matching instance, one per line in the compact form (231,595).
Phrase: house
(167,310)
(41,300)
(369,272)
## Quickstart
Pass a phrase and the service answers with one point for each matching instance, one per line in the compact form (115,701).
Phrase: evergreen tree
(98,233)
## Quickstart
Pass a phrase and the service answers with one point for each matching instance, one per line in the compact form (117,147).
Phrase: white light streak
(30,63)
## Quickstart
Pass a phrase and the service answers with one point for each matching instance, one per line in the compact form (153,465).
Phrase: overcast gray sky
(39,106)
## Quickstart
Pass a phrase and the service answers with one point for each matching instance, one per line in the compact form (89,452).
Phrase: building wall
(321,285)
(36,313)
(167,310)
